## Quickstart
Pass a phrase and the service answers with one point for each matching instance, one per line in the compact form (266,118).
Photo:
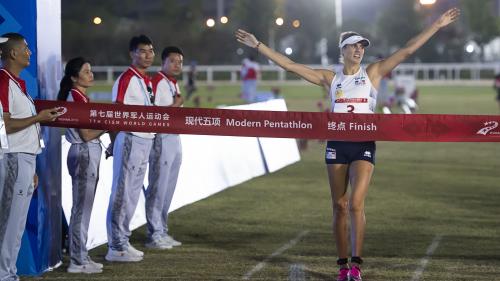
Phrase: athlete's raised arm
(377,70)
(315,76)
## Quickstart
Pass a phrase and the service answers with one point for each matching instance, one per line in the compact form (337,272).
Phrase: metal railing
(447,73)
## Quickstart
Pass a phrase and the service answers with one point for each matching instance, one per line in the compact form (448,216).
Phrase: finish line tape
(276,124)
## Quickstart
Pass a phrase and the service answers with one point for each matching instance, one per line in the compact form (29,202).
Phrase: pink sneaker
(355,273)
(343,274)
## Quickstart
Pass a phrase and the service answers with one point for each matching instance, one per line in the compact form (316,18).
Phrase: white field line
(296,272)
(276,253)
(425,260)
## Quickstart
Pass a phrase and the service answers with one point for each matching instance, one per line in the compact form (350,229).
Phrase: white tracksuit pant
(83,166)
(164,164)
(130,160)
(16,189)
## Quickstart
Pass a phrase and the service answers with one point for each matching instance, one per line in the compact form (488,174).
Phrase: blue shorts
(343,152)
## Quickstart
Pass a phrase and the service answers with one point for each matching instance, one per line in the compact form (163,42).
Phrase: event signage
(278,124)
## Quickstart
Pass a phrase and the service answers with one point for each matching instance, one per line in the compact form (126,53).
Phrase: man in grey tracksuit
(17,175)
(166,155)
(130,153)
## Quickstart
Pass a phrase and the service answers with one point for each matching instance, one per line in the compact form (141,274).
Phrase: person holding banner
(130,153)
(352,90)
(17,178)
(166,154)
(84,157)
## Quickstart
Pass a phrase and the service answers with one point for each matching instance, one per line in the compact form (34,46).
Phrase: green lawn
(437,100)
(419,191)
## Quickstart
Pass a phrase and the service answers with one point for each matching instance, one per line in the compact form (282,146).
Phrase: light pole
(272,37)
(220,12)
(338,14)
(220,8)
(272,32)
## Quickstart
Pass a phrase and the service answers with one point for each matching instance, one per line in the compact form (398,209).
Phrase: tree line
(387,23)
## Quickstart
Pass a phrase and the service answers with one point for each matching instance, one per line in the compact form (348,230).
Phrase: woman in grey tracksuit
(83,161)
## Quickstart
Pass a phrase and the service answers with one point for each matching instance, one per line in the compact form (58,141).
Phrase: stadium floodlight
(210,22)
(224,20)
(279,21)
(97,20)
(296,23)
(338,14)
(288,51)
(469,48)
(427,2)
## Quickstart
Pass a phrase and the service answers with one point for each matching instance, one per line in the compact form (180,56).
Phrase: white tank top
(353,93)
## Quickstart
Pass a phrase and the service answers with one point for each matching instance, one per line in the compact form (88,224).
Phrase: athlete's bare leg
(360,174)
(338,178)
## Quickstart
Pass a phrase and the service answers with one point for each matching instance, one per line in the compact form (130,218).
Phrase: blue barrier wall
(41,243)
(20,16)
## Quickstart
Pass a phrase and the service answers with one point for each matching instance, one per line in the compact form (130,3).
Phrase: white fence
(433,73)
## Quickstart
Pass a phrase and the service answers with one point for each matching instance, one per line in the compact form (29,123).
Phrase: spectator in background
(385,98)
(249,73)
(496,85)
(191,80)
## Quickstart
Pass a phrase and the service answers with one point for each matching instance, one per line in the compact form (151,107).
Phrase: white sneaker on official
(122,256)
(169,240)
(96,264)
(158,244)
(84,268)
(134,251)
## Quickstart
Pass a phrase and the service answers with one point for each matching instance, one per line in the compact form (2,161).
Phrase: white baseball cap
(3,39)
(353,40)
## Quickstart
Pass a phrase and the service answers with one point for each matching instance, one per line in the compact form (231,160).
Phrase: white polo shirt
(73,134)
(133,88)
(16,101)
(165,89)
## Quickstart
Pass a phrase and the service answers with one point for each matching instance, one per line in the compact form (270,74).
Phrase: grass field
(445,194)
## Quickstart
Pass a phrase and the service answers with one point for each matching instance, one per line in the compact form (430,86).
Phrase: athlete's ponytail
(71,70)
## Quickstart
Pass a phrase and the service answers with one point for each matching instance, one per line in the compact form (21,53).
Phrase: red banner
(277,124)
